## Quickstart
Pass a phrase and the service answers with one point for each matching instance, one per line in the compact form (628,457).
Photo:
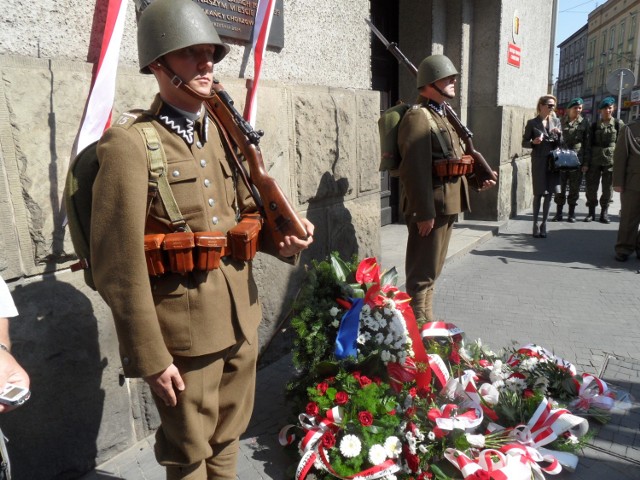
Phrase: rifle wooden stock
(282,220)
(481,169)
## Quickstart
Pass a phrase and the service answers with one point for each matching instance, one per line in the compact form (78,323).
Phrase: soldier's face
(448,86)
(606,112)
(194,66)
(575,111)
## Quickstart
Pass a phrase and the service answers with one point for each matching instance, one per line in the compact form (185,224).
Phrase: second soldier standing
(575,133)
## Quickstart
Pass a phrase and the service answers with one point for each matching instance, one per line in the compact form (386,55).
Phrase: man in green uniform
(626,181)
(192,336)
(575,132)
(430,201)
(604,133)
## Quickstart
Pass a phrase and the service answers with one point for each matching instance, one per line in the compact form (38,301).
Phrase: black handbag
(563,159)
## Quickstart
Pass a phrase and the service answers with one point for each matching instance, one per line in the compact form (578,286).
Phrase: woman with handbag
(543,134)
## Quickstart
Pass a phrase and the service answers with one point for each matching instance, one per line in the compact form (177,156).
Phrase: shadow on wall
(333,221)
(56,340)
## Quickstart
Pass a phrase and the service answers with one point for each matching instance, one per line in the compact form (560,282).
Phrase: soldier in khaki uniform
(603,136)
(192,336)
(575,133)
(626,181)
(430,203)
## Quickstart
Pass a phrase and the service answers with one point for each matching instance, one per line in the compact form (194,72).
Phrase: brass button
(207,182)
(212,202)
(175,173)
(203,163)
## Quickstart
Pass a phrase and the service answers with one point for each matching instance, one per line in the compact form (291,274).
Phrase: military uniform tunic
(425,196)
(626,174)
(576,137)
(205,323)
(603,143)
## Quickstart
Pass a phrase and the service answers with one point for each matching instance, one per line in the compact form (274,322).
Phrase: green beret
(574,102)
(606,102)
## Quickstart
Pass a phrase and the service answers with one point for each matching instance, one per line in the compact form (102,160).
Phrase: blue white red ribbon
(347,337)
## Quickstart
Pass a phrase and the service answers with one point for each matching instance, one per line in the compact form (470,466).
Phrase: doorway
(384,72)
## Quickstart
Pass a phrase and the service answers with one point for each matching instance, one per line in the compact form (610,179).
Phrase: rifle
(479,175)
(281,218)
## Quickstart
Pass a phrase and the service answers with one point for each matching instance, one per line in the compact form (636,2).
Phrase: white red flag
(261,28)
(97,113)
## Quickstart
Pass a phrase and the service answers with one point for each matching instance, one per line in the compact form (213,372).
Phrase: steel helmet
(169,25)
(434,68)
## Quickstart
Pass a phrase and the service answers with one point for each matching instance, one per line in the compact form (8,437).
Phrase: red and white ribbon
(440,329)
(494,463)
(593,392)
(536,351)
(533,457)
(447,417)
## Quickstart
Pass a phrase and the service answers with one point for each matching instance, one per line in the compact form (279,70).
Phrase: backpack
(78,191)
(388,125)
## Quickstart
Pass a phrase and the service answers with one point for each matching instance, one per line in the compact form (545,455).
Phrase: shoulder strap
(158,181)
(436,130)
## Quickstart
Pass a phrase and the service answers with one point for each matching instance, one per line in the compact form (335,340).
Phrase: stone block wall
(320,144)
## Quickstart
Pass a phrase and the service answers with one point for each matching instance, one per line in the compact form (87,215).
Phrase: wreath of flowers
(379,396)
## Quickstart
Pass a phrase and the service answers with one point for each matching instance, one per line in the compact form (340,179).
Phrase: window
(621,38)
(612,40)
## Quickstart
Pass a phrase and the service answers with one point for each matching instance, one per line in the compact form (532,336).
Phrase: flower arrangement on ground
(380,395)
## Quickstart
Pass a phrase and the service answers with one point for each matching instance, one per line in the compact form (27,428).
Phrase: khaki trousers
(628,242)
(424,262)
(199,438)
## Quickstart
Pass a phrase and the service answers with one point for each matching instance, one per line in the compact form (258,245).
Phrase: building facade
(320,97)
(613,44)
(571,69)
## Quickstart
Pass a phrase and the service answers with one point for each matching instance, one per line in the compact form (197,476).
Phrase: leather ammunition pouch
(243,238)
(183,252)
(453,167)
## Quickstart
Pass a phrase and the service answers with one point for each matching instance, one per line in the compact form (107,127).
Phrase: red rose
(391,412)
(342,398)
(484,363)
(377,380)
(410,412)
(528,393)
(413,391)
(454,357)
(322,388)
(366,419)
(364,381)
(312,409)
(328,439)
(413,461)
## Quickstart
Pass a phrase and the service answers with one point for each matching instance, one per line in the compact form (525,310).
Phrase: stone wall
(320,144)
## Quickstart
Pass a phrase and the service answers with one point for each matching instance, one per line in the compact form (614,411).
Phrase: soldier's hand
(164,384)
(293,245)
(425,227)
(487,184)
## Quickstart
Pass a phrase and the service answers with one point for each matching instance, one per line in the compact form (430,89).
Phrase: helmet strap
(177,82)
(439,90)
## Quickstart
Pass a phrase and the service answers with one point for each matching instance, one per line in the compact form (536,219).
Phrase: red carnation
(328,439)
(366,419)
(364,381)
(322,388)
(528,393)
(413,461)
(312,409)
(413,391)
(342,398)
(410,412)
(356,375)
(391,412)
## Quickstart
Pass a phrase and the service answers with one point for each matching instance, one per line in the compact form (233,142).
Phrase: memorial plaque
(235,19)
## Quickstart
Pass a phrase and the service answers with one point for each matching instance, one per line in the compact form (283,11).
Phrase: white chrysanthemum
(529,364)
(385,356)
(333,312)
(516,384)
(390,477)
(335,323)
(377,315)
(393,446)
(389,339)
(350,446)
(366,309)
(499,384)
(311,476)
(383,323)
(431,436)
(361,339)
(379,338)
(476,441)
(377,454)
(419,436)
(408,435)
(374,325)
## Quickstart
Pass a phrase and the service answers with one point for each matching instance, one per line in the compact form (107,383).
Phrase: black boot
(543,230)
(572,214)
(591,216)
(604,216)
(558,217)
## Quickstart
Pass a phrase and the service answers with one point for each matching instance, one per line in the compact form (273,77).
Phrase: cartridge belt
(184,252)
(453,167)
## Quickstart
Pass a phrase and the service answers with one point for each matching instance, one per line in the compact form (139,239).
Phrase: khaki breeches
(198,439)
(424,261)
(628,242)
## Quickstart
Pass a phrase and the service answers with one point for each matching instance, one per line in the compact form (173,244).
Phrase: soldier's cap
(606,102)
(574,102)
